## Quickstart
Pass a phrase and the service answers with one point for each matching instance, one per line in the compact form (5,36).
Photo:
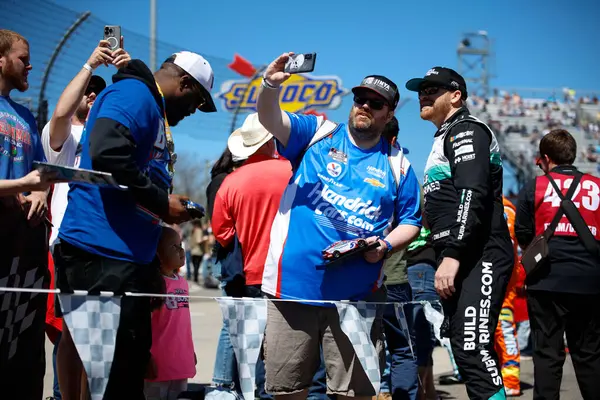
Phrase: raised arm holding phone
(115,233)
(347,182)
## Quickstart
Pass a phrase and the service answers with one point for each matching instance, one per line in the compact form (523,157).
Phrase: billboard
(301,93)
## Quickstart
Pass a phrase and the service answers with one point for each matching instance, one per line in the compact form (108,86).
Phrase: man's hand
(101,55)
(444,277)
(274,74)
(120,57)
(38,206)
(376,254)
(177,212)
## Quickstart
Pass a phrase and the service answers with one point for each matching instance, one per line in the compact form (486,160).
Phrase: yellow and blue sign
(297,94)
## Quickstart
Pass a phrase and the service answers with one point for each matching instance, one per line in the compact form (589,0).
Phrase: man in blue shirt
(23,239)
(108,237)
(351,183)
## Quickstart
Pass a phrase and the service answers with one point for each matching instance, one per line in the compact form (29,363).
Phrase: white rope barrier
(198,297)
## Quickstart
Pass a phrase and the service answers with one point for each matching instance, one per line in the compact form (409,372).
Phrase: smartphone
(112,33)
(304,62)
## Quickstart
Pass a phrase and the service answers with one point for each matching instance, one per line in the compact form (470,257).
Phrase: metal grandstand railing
(46,26)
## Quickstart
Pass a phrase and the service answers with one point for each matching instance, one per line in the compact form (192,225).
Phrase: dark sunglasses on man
(373,103)
(433,90)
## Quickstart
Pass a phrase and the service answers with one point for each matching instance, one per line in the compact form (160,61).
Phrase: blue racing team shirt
(20,143)
(338,191)
(107,221)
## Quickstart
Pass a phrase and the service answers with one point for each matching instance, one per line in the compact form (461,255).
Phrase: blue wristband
(388,245)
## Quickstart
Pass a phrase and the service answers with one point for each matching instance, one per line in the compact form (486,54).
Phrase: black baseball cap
(439,76)
(96,85)
(382,86)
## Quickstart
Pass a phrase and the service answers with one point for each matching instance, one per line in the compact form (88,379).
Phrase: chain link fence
(68,38)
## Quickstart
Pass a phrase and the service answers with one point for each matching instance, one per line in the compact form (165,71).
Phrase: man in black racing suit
(463,205)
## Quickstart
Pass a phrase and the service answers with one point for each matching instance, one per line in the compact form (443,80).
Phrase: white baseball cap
(244,141)
(195,65)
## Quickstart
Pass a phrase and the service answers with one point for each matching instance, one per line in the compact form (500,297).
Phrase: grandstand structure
(520,117)
(520,123)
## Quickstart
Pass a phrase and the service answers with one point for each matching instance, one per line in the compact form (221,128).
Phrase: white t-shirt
(67,156)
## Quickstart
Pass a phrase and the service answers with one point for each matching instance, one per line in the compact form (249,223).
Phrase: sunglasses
(199,98)
(373,103)
(430,90)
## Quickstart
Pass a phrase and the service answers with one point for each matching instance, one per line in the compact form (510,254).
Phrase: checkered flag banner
(93,322)
(356,321)
(436,319)
(15,309)
(246,320)
(401,316)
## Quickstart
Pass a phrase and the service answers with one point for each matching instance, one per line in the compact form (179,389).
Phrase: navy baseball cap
(96,85)
(382,86)
(439,76)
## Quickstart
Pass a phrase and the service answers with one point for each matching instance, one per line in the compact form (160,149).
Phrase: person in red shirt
(249,197)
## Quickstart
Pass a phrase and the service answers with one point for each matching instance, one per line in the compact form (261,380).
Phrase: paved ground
(206,325)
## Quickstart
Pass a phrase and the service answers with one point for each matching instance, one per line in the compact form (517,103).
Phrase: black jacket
(463,189)
(211,192)
(570,268)
(112,148)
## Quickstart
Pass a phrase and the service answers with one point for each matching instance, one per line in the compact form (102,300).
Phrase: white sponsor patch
(468,148)
(466,157)
(464,141)
(441,235)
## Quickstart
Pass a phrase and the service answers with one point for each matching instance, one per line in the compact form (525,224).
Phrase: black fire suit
(463,205)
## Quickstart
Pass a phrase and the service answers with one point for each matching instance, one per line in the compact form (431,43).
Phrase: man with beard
(23,235)
(108,237)
(343,186)
(463,206)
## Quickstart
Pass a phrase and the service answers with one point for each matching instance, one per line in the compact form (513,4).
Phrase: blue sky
(537,44)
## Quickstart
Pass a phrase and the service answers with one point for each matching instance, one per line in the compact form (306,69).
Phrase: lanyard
(170,142)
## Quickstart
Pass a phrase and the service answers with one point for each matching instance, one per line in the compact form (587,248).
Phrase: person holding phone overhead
(60,140)
(343,186)
(115,233)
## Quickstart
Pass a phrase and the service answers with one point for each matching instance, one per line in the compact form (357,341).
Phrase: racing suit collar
(461,113)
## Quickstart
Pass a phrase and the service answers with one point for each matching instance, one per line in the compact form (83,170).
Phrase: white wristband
(267,85)
(87,66)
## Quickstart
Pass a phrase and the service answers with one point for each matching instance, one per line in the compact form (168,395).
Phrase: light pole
(153,35)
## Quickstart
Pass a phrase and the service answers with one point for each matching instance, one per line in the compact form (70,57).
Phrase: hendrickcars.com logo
(297,94)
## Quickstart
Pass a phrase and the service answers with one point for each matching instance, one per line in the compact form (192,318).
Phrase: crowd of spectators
(509,115)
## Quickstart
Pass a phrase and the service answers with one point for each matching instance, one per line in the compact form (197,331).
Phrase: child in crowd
(173,360)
